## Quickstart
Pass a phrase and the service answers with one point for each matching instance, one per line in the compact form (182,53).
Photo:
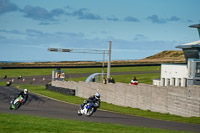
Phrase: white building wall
(174,74)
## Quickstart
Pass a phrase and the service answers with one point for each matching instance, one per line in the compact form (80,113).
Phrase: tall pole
(109,60)
(103,65)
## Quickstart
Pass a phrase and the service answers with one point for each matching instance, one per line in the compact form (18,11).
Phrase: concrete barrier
(182,101)
(62,90)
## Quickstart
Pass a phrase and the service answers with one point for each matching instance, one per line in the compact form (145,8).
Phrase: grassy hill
(173,56)
(167,56)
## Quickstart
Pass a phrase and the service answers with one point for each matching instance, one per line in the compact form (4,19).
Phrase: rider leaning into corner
(94,99)
(24,94)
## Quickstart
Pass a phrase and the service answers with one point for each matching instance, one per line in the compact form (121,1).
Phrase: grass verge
(32,124)
(34,72)
(142,78)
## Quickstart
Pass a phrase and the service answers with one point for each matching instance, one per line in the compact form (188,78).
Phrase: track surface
(43,106)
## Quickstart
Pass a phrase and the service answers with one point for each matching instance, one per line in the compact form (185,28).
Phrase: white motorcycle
(88,109)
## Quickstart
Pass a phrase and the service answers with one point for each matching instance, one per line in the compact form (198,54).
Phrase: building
(183,74)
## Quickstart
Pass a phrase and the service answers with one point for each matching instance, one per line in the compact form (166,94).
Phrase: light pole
(109,60)
(90,51)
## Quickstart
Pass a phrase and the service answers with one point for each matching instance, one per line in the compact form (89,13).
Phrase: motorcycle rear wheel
(90,111)
(17,105)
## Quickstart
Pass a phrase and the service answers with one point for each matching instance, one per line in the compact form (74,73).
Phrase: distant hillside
(162,57)
(168,55)
(172,56)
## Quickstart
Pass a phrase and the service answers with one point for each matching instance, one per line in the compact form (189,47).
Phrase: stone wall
(182,101)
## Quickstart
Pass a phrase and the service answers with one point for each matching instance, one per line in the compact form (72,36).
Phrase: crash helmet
(97,96)
(25,91)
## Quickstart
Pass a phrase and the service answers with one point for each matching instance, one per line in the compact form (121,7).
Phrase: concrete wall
(64,91)
(183,101)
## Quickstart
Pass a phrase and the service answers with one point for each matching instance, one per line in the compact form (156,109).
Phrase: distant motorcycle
(16,103)
(88,109)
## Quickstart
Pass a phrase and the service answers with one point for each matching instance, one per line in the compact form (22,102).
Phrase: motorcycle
(88,109)
(16,103)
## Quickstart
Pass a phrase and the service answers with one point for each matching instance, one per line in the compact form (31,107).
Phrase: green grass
(41,90)
(142,78)
(2,83)
(111,107)
(32,124)
(34,72)
(139,68)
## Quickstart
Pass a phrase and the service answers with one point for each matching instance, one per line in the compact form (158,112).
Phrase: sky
(137,28)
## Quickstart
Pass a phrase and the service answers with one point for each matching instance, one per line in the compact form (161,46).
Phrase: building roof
(195,44)
(195,26)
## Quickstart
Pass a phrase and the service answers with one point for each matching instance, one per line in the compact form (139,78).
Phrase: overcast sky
(137,28)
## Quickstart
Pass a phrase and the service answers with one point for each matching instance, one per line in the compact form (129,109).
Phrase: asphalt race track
(46,107)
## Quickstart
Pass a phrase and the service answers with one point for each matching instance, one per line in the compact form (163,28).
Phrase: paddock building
(183,74)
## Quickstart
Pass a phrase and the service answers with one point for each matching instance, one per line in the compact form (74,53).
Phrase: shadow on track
(9,93)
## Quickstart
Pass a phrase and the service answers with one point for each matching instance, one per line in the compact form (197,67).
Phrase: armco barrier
(61,90)
(182,101)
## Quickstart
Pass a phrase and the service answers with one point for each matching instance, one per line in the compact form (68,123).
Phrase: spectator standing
(111,80)
(93,79)
(20,77)
(5,76)
(134,81)
(105,80)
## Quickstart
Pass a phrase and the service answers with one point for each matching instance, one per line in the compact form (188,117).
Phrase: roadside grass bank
(142,78)
(35,72)
(110,107)
(31,124)
(2,83)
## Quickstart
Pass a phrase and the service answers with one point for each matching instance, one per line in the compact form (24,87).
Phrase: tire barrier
(64,91)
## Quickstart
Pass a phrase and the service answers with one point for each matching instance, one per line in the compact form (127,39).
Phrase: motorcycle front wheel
(11,105)
(79,112)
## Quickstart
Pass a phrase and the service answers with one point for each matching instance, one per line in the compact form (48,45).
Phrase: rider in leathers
(94,99)
(24,94)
